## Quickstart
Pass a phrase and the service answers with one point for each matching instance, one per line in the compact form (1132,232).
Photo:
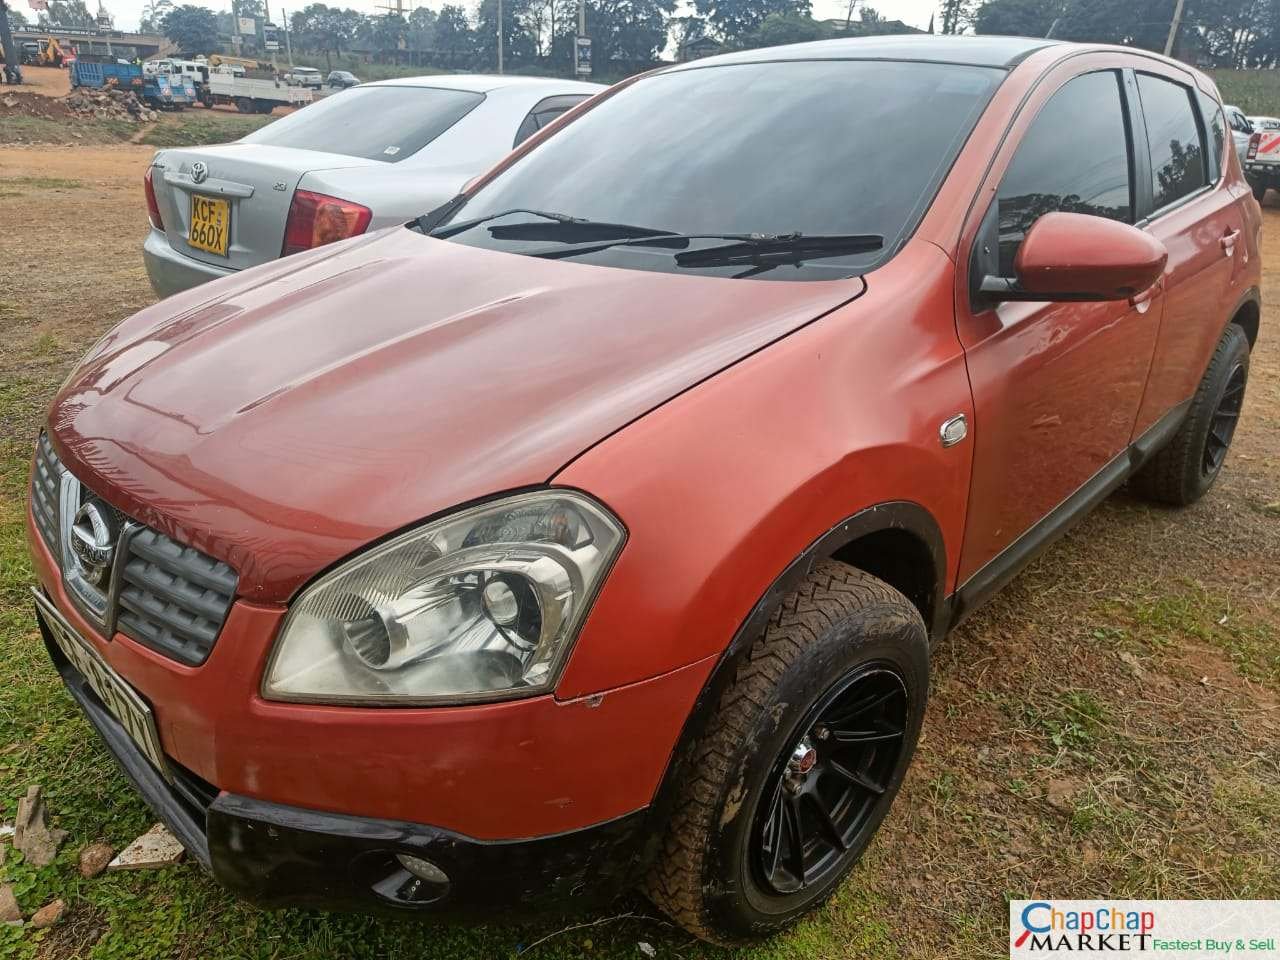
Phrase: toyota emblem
(199,172)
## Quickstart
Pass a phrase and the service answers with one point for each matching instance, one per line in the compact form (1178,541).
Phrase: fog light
(423,869)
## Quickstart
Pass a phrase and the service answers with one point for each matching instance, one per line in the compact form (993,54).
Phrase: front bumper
(278,855)
(169,271)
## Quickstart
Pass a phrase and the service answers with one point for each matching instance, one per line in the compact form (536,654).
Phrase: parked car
(1241,129)
(305,77)
(380,154)
(341,79)
(595,528)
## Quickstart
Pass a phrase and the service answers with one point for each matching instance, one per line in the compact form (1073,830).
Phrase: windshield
(817,148)
(376,123)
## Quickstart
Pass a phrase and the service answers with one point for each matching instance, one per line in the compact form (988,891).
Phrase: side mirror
(1075,256)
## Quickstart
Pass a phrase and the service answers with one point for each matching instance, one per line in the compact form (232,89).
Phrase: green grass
(1256,92)
(365,71)
(199,128)
(21,129)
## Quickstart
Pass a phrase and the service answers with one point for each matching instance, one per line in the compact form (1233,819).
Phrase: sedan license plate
(210,224)
(120,699)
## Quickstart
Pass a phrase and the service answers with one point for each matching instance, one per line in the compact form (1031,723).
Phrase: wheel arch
(1248,315)
(899,541)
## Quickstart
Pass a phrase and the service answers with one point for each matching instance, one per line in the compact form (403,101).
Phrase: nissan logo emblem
(93,541)
(199,172)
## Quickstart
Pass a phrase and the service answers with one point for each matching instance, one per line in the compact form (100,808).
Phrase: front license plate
(120,699)
(210,224)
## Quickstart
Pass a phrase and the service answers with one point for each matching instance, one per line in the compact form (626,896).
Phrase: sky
(127,13)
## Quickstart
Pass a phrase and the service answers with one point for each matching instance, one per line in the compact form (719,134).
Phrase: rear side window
(544,112)
(1216,129)
(376,123)
(1177,152)
(1074,158)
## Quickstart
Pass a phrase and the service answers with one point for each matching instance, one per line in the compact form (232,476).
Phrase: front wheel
(799,763)
(1259,190)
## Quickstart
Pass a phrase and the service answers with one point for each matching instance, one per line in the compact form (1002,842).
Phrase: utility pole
(288,47)
(12,69)
(499,36)
(582,18)
(266,10)
(1173,28)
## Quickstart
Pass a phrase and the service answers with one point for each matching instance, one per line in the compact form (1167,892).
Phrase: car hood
(281,418)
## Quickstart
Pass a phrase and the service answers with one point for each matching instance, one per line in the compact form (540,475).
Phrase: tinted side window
(1211,112)
(1177,153)
(543,112)
(1074,157)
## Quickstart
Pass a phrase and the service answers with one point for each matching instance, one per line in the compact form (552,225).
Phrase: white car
(1265,123)
(305,77)
(380,154)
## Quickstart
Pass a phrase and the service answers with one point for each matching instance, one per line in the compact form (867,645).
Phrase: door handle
(1228,241)
(1142,300)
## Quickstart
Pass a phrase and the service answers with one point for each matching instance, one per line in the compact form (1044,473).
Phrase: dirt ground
(1108,726)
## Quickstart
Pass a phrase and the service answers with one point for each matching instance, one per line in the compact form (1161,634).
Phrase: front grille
(46,479)
(173,598)
(163,594)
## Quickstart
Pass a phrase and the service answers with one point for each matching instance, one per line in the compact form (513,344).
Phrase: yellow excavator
(50,53)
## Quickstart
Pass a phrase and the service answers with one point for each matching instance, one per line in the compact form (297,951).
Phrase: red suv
(593,529)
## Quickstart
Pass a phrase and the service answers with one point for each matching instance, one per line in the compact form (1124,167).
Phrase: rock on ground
(48,915)
(154,849)
(31,834)
(94,859)
(9,911)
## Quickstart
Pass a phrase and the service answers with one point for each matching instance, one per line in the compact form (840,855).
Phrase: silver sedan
(369,157)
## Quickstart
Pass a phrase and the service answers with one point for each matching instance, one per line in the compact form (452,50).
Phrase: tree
(17,19)
(454,36)
(955,14)
(153,14)
(387,33)
(327,30)
(68,14)
(517,44)
(420,36)
(735,20)
(1017,18)
(627,32)
(783,28)
(192,28)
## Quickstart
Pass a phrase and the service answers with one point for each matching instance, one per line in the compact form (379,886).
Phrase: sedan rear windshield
(819,148)
(376,123)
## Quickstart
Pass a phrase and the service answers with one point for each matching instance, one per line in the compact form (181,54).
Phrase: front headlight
(483,604)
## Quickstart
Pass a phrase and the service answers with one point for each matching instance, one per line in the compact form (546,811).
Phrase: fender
(899,515)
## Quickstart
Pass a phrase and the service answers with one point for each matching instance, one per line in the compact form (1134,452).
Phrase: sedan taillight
(1254,141)
(315,219)
(153,208)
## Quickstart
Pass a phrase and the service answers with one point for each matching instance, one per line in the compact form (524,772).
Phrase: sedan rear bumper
(170,272)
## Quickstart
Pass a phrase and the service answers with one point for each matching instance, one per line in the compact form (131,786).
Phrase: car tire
(1184,468)
(771,758)
(1259,190)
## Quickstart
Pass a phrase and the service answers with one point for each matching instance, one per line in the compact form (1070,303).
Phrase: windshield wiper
(780,249)
(562,228)
(764,249)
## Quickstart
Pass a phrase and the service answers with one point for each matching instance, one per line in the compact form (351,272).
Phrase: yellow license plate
(210,224)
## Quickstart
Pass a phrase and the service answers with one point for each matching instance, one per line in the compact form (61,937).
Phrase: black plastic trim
(145,778)
(1006,565)
(284,856)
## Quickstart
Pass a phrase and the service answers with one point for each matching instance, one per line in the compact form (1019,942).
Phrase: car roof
(980,51)
(484,82)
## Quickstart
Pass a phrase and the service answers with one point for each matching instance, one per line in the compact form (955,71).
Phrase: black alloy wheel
(1222,425)
(826,784)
